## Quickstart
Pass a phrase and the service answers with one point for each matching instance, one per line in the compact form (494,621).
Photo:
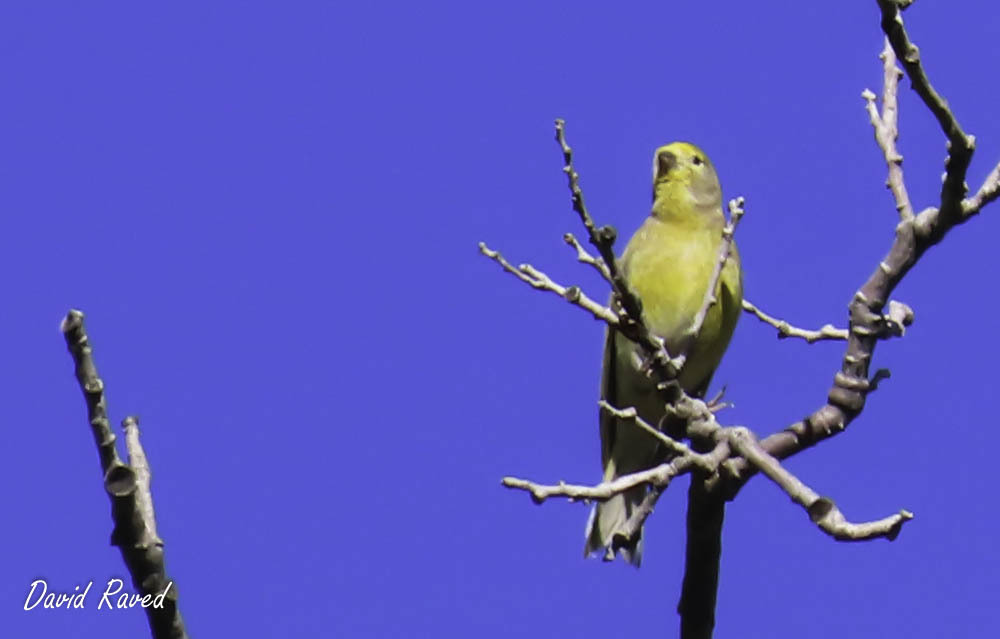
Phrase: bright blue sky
(270,214)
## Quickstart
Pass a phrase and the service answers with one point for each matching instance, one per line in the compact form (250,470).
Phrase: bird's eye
(697,161)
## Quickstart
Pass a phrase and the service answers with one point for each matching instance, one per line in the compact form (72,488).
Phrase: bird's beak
(665,161)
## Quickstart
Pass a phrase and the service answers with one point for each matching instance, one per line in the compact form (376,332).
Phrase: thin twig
(539,280)
(143,476)
(826,332)
(630,415)
(893,324)
(709,299)
(583,256)
(986,194)
(886,128)
(659,476)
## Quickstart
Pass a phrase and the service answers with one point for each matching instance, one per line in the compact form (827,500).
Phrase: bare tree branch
(725,248)
(825,332)
(583,256)
(730,442)
(658,476)
(536,279)
(822,510)
(960,145)
(128,488)
(886,128)
(914,236)
(630,415)
(893,324)
(986,194)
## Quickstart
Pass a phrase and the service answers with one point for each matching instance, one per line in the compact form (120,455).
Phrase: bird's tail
(607,518)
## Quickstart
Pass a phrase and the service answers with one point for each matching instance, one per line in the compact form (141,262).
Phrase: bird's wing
(609,393)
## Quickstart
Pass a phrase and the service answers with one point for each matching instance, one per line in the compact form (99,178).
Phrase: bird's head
(684,180)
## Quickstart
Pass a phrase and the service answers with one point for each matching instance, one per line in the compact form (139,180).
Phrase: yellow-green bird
(668,263)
